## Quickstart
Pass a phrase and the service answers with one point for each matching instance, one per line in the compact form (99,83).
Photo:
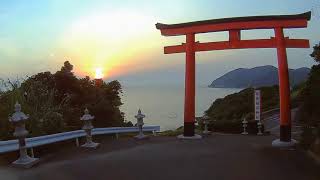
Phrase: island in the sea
(258,77)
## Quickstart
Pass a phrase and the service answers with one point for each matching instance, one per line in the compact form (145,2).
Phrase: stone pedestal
(24,160)
(89,143)
(141,135)
(195,137)
(282,144)
(244,133)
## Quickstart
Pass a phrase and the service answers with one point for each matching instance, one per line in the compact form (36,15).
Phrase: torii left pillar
(189,104)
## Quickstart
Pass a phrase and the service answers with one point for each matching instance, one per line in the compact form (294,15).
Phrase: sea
(163,104)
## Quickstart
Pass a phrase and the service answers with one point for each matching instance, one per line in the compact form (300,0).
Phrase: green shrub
(52,123)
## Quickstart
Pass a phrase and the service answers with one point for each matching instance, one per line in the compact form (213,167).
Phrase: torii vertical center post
(234,27)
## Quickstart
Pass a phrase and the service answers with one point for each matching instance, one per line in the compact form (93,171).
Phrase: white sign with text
(257,104)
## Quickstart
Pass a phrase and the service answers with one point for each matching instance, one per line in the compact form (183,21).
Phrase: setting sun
(99,73)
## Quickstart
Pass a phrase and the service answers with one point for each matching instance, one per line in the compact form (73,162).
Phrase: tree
(67,68)
(65,81)
(316,53)
(309,113)
(56,101)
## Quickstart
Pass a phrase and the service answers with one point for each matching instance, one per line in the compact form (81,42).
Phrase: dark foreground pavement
(218,157)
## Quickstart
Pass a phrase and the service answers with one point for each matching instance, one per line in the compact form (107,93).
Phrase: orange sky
(112,42)
(120,37)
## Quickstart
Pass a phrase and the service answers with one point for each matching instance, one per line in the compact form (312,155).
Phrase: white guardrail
(13,145)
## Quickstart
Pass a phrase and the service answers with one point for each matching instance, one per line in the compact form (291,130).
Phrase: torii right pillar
(284,92)
(284,87)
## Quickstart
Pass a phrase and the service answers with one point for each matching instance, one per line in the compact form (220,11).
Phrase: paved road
(219,157)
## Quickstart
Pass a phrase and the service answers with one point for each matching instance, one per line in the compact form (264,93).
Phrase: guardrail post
(117,136)
(31,152)
(77,142)
(18,120)
(87,127)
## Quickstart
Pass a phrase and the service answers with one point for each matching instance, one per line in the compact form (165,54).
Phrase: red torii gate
(234,26)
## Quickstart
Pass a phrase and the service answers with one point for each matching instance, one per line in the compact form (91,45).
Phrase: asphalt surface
(218,157)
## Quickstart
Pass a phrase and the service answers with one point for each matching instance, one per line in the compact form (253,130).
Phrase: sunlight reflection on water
(163,105)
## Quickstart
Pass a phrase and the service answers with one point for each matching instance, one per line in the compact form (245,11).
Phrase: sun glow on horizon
(115,41)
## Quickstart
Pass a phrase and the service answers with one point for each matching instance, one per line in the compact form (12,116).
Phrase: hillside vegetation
(235,106)
(309,113)
(56,101)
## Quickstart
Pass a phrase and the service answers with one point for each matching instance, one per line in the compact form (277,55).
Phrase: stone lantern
(205,120)
(87,127)
(259,124)
(244,125)
(18,119)
(140,124)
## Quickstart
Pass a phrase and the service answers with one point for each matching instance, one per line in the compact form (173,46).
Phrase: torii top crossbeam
(252,22)
(234,27)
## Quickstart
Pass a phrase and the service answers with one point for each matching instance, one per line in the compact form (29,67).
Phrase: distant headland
(258,77)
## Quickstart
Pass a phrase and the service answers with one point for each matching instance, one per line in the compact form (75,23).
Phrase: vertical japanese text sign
(257,104)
